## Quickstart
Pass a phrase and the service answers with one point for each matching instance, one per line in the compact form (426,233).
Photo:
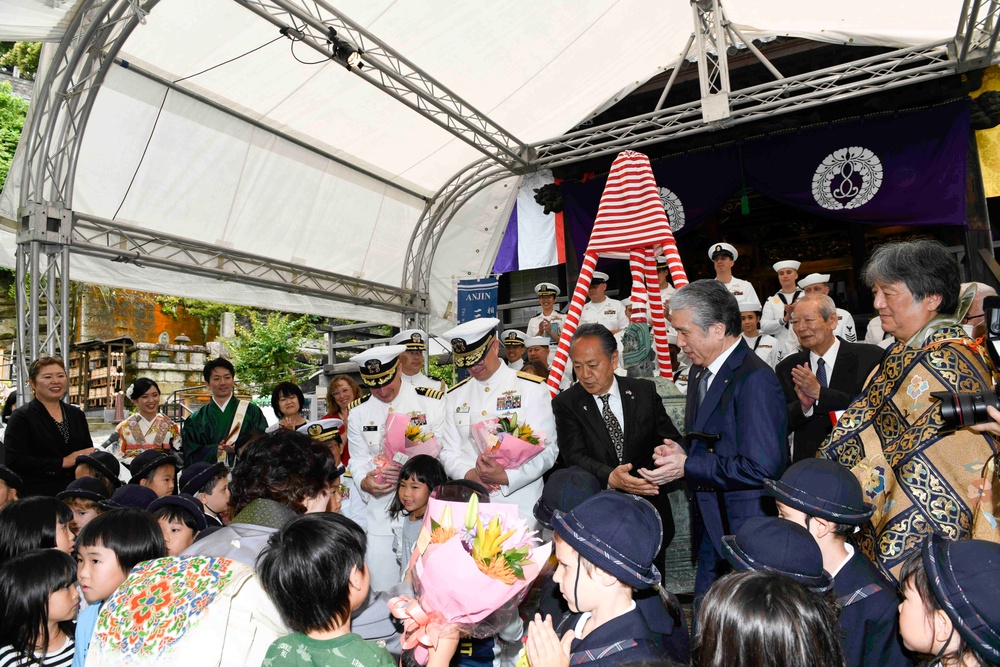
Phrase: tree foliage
(13,111)
(265,351)
(23,56)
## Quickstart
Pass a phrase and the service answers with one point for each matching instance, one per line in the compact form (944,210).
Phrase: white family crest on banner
(847,178)
(674,207)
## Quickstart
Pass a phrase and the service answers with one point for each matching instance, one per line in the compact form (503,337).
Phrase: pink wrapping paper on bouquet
(397,447)
(508,450)
(452,587)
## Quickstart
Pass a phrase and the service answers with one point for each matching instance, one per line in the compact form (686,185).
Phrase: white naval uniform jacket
(505,394)
(421,380)
(772,323)
(610,313)
(741,289)
(364,433)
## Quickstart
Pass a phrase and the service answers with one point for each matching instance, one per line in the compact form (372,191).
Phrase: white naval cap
(722,247)
(547,289)
(470,340)
(661,261)
(378,365)
(626,302)
(538,341)
(814,279)
(513,337)
(786,264)
(413,339)
(322,429)
(599,277)
(750,306)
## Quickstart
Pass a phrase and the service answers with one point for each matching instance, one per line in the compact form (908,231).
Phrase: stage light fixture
(344,51)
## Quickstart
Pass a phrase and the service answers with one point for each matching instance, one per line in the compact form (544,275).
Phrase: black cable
(258,48)
(143,156)
(164,100)
(292,49)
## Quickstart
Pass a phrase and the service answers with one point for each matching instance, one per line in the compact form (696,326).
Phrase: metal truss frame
(311,21)
(48,230)
(120,242)
(720,107)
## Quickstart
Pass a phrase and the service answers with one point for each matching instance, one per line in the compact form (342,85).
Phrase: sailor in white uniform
(819,283)
(724,256)
(549,321)
(494,390)
(763,345)
(777,311)
(380,370)
(411,362)
(513,346)
(602,309)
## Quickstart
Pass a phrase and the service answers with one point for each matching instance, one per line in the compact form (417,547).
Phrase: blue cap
(11,478)
(185,502)
(770,544)
(617,533)
(197,475)
(963,576)
(148,461)
(131,495)
(89,488)
(105,463)
(822,488)
(564,490)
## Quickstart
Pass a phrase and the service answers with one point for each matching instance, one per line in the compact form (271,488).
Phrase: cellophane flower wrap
(471,568)
(403,440)
(508,442)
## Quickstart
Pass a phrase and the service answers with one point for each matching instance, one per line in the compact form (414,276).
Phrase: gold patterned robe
(919,481)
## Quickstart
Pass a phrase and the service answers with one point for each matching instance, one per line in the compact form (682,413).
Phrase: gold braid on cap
(470,354)
(416,342)
(376,374)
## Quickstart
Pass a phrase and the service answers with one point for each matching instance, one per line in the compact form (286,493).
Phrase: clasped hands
(668,462)
(807,387)
(489,473)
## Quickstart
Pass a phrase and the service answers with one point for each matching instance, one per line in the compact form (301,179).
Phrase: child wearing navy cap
(10,485)
(605,549)
(83,496)
(951,609)
(181,518)
(156,470)
(824,497)
(209,483)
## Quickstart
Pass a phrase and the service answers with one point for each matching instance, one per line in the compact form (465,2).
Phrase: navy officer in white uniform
(380,370)
(724,256)
(494,390)
(411,362)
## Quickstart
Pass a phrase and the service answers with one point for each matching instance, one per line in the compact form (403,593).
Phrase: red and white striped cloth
(631,220)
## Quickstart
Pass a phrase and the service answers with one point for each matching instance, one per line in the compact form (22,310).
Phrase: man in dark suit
(823,378)
(610,425)
(735,417)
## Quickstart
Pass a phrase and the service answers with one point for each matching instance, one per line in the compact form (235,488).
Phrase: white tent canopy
(343,186)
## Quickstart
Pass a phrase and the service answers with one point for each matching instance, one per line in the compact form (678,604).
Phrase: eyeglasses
(969,318)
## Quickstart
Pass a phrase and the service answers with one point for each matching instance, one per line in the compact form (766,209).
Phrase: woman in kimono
(147,428)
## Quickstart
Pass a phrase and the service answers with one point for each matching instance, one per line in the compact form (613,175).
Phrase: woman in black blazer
(45,435)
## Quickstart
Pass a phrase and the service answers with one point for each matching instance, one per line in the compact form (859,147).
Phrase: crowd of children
(800,593)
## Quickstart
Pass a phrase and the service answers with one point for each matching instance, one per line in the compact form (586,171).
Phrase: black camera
(966,409)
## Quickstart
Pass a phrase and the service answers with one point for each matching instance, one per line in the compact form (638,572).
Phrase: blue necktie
(821,372)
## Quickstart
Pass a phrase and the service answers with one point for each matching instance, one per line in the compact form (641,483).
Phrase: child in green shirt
(314,571)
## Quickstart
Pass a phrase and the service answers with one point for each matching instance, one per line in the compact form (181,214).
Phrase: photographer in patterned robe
(920,480)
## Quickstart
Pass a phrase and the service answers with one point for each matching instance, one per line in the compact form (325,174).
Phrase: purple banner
(901,169)
(506,260)
(905,168)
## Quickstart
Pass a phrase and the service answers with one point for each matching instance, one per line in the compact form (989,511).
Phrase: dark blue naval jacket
(869,619)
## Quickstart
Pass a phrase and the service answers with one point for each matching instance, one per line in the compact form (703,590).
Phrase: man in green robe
(210,434)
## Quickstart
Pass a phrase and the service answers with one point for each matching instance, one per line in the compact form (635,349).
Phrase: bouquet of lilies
(471,574)
(507,441)
(403,438)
